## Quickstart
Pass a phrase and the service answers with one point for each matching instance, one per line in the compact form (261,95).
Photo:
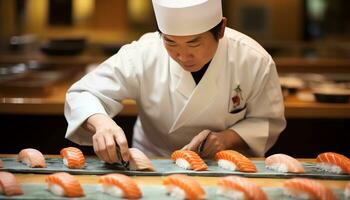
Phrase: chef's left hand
(216,141)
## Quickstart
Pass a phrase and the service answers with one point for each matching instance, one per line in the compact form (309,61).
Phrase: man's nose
(184,55)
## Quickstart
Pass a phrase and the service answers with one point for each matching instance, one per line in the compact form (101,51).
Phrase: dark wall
(301,138)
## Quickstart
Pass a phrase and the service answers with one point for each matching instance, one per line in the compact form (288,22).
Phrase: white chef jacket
(240,91)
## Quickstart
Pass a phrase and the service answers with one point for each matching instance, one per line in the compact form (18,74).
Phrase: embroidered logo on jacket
(237,98)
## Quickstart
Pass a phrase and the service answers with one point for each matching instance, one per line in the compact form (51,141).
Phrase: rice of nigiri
(9,185)
(32,158)
(333,162)
(239,188)
(304,188)
(120,185)
(188,160)
(73,157)
(64,184)
(284,163)
(183,187)
(233,160)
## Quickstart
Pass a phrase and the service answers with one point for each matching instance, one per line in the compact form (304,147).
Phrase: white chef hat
(187,17)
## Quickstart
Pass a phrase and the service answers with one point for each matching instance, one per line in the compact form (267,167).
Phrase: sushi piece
(73,158)
(347,190)
(120,185)
(1,164)
(139,161)
(304,188)
(239,188)
(333,162)
(64,184)
(188,160)
(284,163)
(183,187)
(232,160)
(32,158)
(9,185)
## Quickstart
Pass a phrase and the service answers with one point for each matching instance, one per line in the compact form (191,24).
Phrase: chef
(198,85)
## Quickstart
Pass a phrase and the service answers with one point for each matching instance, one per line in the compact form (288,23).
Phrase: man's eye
(170,44)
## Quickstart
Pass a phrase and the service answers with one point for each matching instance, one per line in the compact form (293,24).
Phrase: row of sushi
(234,161)
(74,158)
(178,185)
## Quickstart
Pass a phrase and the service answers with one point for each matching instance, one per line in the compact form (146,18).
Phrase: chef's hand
(108,138)
(215,142)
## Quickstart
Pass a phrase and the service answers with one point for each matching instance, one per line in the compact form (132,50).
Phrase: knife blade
(201,146)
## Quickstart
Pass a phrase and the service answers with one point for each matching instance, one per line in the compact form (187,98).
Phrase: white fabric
(187,17)
(172,109)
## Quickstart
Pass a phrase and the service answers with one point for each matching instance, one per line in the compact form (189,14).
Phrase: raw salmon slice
(73,158)
(307,189)
(120,185)
(189,160)
(64,184)
(139,161)
(232,160)
(183,187)
(9,185)
(235,187)
(32,158)
(333,162)
(284,163)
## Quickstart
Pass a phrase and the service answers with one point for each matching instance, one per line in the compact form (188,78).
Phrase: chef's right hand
(108,138)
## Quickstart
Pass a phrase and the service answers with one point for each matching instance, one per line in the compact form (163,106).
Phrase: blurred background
(46,45)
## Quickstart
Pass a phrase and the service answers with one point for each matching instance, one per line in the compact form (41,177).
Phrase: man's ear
(222,28)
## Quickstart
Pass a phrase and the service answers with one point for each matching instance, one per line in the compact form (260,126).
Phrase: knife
(202,144)
(124,164)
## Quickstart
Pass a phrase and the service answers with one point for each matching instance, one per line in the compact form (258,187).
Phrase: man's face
(191,52)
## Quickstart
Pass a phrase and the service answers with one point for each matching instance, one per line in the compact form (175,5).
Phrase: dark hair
(215,30)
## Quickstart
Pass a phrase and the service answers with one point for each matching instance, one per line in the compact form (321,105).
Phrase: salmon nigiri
(183,187)
(347,190)
(239,188)
(139,161)
(284,163)
(73,158)
(32,158)
(232,160)
(9,185)
(333,162)
(189,160)
(64,184)
(305,188)
(120,185)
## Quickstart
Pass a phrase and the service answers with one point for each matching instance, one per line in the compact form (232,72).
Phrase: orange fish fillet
(126,184)
(192,189)
(32,158)
(242,163)
(74,157)
(139,161)
(250,190)
(69,183)
(315,189)
(9,185)
(292,164)
(192,158)
(335,159)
